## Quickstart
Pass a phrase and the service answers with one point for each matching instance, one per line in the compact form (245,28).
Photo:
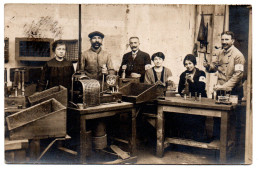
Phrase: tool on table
(186,89)
(123,73)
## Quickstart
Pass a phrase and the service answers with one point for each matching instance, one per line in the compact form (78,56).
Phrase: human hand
(147,66)
(104,69)
(218,87)
(205,64)
(190,78)
(124,67)
(135,75)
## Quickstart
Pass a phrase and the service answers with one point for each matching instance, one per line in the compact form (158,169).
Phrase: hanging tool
(203,36)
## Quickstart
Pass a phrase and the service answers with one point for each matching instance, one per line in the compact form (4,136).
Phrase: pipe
(79,52)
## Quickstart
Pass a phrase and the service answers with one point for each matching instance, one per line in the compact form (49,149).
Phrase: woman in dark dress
(57,71)
(184,125)
(196,78)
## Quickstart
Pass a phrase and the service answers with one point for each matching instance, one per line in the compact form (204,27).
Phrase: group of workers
(137,64)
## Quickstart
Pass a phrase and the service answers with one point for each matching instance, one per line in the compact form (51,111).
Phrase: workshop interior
(117,117)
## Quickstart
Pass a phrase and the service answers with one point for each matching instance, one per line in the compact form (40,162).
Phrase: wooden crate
(138,92)
(15,151)
(58,92)
(44,120)
(125,81)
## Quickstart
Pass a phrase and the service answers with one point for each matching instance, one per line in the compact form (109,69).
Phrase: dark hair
(158,54)
(56,43)
(191,58)
(133,38)
(228,33)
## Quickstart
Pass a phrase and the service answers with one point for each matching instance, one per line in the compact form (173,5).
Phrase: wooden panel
(205,103)
(160,132)
(133,150)
(187,142)
(223,137)
(104,107)
(15,144)
(249,114)
(104,114)
(192,111)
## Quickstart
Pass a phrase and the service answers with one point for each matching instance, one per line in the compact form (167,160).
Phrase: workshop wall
(166,28)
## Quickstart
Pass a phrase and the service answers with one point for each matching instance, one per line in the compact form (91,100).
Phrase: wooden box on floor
(46,119)
(58,92)
(15,151)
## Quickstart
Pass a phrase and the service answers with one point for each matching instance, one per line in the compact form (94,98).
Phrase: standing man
(230,66)
(135,62)
(94,59)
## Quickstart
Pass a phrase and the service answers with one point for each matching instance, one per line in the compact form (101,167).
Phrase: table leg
(85,141)
(133,134)
(160,131)
(224,137)
(34,147)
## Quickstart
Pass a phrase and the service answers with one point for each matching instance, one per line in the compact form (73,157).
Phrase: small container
(196,96)
(190,94)
(80,105)
(233,99)
(200,97)
(185,97)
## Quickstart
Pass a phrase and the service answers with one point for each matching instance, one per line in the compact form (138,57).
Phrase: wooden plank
(205,103)
(160,132)
(187,142)
(104,114)
(68,150)
(192,111)
(119,140)
(104,107)
(133,150)
(130,160)
(120,152)
(16,144)
(85,141)
(224,137)
(34,149)
(249,116)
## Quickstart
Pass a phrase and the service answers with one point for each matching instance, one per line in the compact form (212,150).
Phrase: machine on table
(89,94)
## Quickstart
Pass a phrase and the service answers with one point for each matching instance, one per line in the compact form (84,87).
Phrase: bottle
(123,74)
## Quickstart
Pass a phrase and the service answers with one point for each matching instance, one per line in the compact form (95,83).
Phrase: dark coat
(137,65)
(196,86)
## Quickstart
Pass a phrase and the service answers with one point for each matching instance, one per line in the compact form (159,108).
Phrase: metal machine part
(85,90)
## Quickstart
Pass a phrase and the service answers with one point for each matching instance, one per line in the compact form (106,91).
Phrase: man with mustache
(95,60)
(135,62)
(230,66)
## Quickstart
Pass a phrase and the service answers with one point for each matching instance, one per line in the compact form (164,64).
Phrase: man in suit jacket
(135,62)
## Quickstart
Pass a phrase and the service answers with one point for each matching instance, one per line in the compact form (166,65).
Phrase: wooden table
(206,107)
(102,111)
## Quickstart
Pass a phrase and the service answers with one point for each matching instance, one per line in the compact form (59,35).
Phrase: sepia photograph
(128,84)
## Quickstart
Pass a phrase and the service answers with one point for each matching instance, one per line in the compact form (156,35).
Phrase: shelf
(215,144)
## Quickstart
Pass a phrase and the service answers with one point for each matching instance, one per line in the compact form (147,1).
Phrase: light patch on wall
(45,27)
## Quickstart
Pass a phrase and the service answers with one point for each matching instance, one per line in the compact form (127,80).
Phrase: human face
(60,50)
(158,61)
(96,42)
(226,41)
(189,65)
(134,44)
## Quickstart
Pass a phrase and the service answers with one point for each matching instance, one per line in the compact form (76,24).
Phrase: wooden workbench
(206,107)
(101,111)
